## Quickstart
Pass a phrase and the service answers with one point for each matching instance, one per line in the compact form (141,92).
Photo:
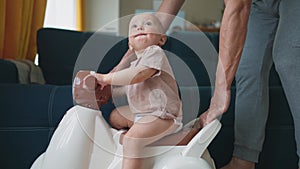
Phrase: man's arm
(232,38)
(167,10)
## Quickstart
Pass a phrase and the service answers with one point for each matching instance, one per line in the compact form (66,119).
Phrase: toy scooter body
(83,140)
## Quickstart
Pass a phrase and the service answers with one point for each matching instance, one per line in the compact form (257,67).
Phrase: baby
(154,108)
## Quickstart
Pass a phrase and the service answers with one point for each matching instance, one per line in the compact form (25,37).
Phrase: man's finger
(203,119)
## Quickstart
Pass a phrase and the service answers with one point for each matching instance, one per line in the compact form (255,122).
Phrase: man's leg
(286,55)
(252,94)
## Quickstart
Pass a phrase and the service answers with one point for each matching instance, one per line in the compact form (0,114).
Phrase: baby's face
(144,30)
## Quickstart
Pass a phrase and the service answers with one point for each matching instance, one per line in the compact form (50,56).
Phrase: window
(61,14)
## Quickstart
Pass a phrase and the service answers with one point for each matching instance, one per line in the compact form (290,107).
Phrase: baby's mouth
(139,35)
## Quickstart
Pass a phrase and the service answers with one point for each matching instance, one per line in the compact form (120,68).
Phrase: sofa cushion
(58,51)
(21,146)
(28,117)
(71,51)
(38,105)
(106,51)
(8,72)
(274,79)
(214,39)
(184,55)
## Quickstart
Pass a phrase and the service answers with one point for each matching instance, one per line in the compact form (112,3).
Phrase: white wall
(196,11)
(100,13)
(199,11)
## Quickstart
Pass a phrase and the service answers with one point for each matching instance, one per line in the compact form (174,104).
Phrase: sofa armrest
(8,72)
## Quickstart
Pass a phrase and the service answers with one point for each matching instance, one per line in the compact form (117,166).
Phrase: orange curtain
(19,22)
(81,15)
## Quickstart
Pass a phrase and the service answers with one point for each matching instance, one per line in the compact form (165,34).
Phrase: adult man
(272,36)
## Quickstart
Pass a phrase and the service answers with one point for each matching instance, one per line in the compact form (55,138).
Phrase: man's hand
(218,105)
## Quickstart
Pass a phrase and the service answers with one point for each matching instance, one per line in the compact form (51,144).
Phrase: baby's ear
(162,40)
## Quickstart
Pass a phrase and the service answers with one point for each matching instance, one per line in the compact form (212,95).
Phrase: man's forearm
(232,38)
(168,10)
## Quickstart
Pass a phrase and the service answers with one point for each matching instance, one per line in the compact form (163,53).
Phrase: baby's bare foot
(237,163)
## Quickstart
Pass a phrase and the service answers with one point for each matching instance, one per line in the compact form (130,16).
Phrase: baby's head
(145,30)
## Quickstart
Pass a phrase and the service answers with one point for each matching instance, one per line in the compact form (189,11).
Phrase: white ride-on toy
(83,140)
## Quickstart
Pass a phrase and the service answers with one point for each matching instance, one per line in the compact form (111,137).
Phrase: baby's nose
(140,27)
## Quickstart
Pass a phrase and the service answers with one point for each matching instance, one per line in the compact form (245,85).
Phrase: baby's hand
(100,78)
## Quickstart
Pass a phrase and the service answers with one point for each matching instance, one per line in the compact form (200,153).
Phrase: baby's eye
(134,26)
(148,23)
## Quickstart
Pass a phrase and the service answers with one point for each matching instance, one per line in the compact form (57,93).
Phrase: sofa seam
(20,129)
(50,106)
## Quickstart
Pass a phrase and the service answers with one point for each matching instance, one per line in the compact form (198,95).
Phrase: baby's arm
(126,76)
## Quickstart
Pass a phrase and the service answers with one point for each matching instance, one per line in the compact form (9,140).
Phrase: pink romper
(157,95)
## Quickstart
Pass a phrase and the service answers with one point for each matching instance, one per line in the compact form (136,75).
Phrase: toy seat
(83,139)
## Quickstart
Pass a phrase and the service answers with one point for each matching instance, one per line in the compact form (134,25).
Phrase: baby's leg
(121,118)
(144,132)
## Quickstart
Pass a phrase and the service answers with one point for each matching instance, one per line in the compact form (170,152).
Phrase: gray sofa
(30,113)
